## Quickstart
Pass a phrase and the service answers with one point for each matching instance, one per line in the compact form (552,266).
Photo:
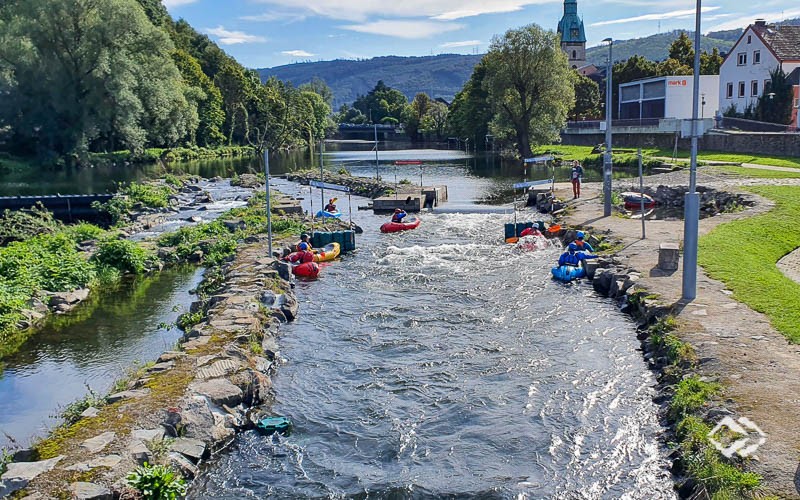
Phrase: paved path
(790,265)
(757,366)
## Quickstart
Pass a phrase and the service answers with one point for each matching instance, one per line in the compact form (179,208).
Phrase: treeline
(84,76)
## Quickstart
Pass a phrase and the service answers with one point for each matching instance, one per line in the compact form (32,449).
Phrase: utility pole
(691,215)
(608,160)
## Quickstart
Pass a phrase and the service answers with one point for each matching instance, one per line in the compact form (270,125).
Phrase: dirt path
(757,366)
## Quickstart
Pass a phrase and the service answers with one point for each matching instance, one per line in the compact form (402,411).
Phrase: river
(436,362)
(441,362)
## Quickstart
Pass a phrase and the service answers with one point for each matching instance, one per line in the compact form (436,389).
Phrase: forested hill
(438,76)
(654,47)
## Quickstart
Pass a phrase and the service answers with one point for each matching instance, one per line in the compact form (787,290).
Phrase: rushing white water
(443,362)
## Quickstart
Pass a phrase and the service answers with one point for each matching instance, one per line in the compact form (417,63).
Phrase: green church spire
(571,26)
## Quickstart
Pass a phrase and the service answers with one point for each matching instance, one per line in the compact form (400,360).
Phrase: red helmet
(397,210)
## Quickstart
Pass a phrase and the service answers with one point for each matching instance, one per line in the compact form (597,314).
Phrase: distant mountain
(733,35)
(438,76)
(654,47)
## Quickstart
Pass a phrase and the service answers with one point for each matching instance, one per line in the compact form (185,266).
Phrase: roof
(571,26)
(784,40)
(794,76)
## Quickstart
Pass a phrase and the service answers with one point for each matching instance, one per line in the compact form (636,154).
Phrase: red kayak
(307,270)
(393,227)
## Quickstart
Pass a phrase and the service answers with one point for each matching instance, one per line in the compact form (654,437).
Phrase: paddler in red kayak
(398,215)
(302,255)
(531,231)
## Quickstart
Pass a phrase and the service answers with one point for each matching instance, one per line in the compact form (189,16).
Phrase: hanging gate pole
(641,191)
(269,205)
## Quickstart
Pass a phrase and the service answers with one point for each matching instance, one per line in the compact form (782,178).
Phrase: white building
(667,97)
(744,75)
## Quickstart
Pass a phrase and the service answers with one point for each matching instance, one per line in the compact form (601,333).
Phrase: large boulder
(19,474)
(218,391)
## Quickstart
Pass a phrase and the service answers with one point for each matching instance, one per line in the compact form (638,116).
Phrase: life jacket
(398,217)
(302,257)
(569,259)
(330,207)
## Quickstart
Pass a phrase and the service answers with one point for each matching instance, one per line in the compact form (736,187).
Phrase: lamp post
(607,161)
(691,214)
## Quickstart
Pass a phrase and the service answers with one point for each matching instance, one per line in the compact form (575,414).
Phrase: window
(749,39)
(767,86)
(654,90)
(754,88)
(574,54)
(631,93)
(729,91)
(756,57)
(741,89)
(742,58)
(797,103)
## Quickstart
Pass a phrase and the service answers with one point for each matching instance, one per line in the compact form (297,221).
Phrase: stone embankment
(361,186)
(186,406)
(712,201)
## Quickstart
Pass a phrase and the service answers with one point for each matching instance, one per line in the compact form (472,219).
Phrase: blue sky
(265,33)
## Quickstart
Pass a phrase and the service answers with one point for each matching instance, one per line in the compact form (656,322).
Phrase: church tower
(573,38)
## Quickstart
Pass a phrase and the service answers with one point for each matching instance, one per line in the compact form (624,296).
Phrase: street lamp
(691,213)
(607,161)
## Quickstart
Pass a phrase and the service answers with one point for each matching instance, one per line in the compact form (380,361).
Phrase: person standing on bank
(577,176)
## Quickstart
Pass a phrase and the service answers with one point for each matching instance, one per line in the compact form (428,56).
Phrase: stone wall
(756,143)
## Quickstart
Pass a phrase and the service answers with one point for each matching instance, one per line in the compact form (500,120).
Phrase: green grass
(743,254)
(774,161)
(758,173)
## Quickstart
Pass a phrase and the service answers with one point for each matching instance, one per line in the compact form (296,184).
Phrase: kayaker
(302,255)
(531,231)
(572,257)
(331,206)
(303,239)
(577,177)
(398,215)
(583,246)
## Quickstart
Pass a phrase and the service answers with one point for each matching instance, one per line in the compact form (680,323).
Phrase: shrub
(149,195)
(84,232)
(157,482)
(72,412)
(124,255)
(20,225)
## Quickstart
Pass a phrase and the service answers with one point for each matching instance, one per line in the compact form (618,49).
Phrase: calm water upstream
(440,362)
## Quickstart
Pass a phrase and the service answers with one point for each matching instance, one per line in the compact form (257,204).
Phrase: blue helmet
(580,235)
(573,247)
(303,246)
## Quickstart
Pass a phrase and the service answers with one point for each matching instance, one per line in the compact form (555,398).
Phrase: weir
(64,207)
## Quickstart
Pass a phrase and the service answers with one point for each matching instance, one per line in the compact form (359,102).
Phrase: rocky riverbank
(187,405)
(361,186)
(714,357)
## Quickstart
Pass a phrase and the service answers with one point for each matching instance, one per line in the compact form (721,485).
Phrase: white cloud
(444,10)
(176,3)
(465,43)
(296,53)
(745,20)
(404,29)
(233,37)
(288,17)
(675,14)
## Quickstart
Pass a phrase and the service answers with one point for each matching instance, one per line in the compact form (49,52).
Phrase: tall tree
(414,113)
(470,113)
(587,98)
(682,51)
(90,74)
(318,86)
(710,63)
(435,120)
(380,102)
(208,97)
(530,86)
(775,104)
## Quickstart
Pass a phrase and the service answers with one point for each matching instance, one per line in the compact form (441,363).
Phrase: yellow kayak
(327,253)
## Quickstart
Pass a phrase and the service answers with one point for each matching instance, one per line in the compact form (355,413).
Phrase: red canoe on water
(393,227)
(307,270)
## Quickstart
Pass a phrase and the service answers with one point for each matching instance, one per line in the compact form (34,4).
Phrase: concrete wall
(761,143)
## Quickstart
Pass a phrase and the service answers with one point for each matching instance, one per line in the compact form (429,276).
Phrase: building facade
(573,36)
(745,73)
(667,97)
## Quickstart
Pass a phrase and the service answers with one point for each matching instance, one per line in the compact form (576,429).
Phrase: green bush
(124,255)
(149,195)
(72,412)
(84,232)
(20,225)
(157,482)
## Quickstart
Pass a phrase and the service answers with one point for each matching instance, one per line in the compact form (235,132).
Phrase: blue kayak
(332,215)
(568,273)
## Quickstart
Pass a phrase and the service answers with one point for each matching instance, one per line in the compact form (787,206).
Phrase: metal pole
(269,207)
(350,204)
(321,176)
(377,168)
(691,214)
(641,191)
(607,163)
